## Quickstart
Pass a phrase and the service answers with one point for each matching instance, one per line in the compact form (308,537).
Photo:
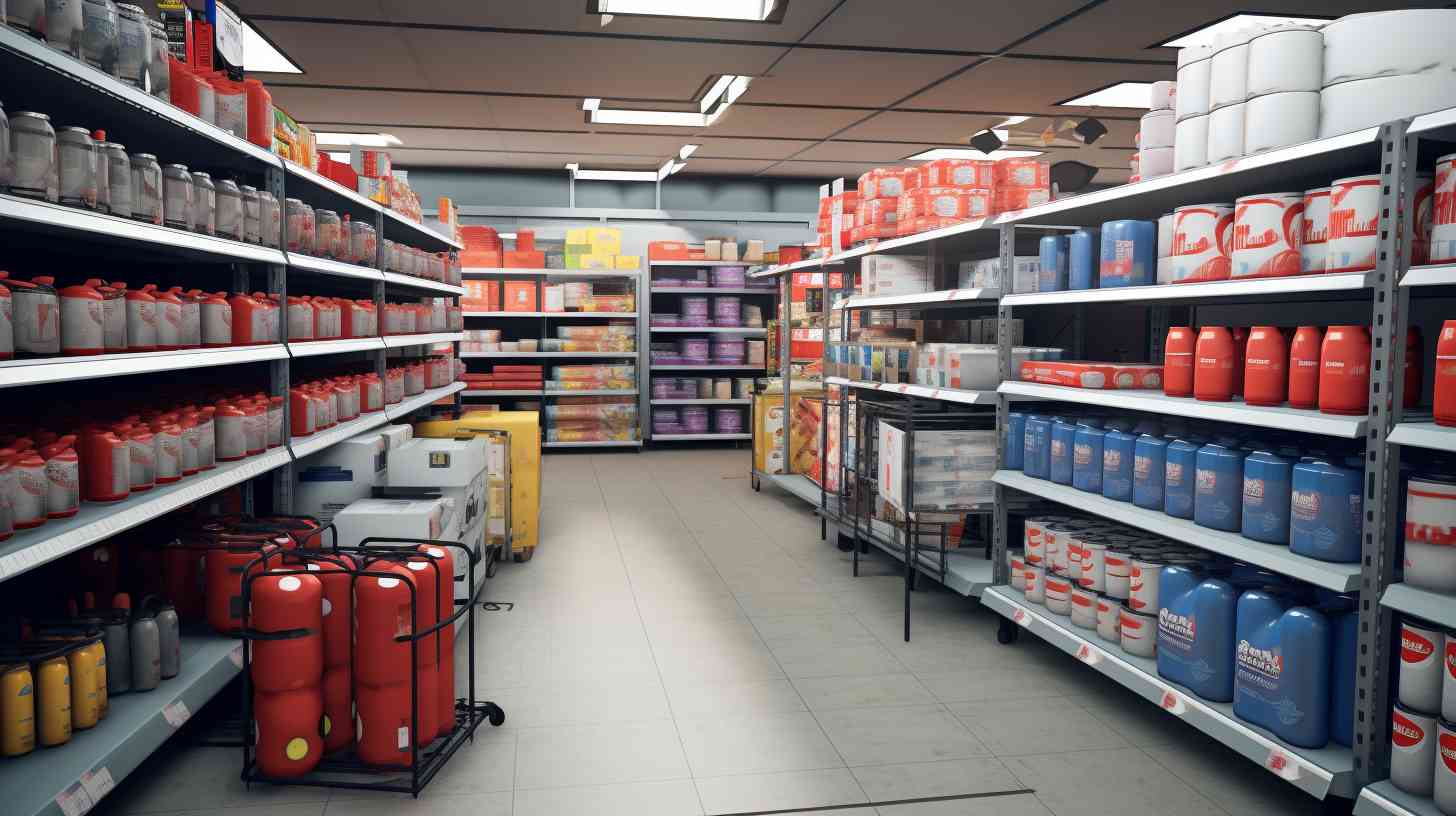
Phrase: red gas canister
(255,426)
(290,742)
(1213,368)
(29,501)
(1445,385)
(1304,367)
(300,413)
(432,585)
(291,605)
(168,437)
(1266,359)
(217,320)
(141,319)
(1178,362)
(143,449)
(1344,385)
(1415,368)
(371,394)
(333,573)
(224,562)
(63,474)
(231,432)
(169,318)
(260,113)
(191,332)
(113,315)
(445,697)
(338,709)
(105,466)
(383,609)
(82,323)
(249,320)
(384,736)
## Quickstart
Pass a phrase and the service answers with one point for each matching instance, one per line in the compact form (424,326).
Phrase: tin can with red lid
(1213,367)
(1267,232)
(1178,361)
(1304,367)
(1266,360)
(1354,218)
(1344,383)
(82,322)
(1315,231)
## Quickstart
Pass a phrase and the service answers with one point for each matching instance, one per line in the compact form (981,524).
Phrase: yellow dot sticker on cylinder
(297,748)
(328,725)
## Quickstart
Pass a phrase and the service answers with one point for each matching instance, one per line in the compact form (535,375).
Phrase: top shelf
(341,198)
(502,272)
(1345,284)
(702,263)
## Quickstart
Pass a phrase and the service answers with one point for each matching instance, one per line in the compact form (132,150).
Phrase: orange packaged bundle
(879,217)
(950,202)
(976,174)
(1021,183)
(887,182)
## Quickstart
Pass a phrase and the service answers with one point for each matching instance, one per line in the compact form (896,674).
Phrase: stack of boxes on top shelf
(596,248)
(748,251)
(506,378)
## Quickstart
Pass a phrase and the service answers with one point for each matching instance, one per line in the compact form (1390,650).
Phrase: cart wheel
(753,480)
(1007,632)
(492,561)
(525,555)
(495,714)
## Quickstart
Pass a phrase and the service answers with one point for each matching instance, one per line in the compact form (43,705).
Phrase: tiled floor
(681,645)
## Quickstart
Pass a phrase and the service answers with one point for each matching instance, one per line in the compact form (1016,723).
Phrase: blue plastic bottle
(1084,248)
(1129,254)
(1325,510)
(1117,465)
(1061,455)
(1015,440)
(1217,501)
(1178,476)
(1282,682)
(1037,460)
(1343,614)
(1266,497)
(1150,456)
(1055,263)
(1087,459)
(1196,618)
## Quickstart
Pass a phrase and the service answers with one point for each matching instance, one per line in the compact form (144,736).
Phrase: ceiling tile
(739,148)
(382,108)
(790,123)
(1034,86)
(861,152)
(861,78)
(731,167)
(824,171)
(942,128)
(936,24)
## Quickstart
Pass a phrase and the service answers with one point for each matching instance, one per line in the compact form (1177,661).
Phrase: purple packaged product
(729,277)
(695,419)
(727,307)
(695,322)
(696,306)
(730,351)
(666,283)
(728,420)
(693,347)
(660,415)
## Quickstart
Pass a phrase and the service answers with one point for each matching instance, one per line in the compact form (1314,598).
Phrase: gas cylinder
(82,322)
(29,500)
(116,637)
(83,659)
(142,447)
(231,432)
(1178,359)
(445,708)
(17,709)
(1179,470)
(384,733)
(1267,478)
(1055,262)
(1037,447)
(383,609)
(1344,384)
(224,562)
(191,445)
(338,724)
(255,426)
(1422,658)
(1196,632)
(53,701)
(289,608)
(1266,364)
(191,327)
(63,477)
(1117,465)
(250,320)
(300,413)
(1060,459)
(168,437)
(333,574)
(141,319)
(113,315)
(1304,367)
(36,319)
(169,318)
(1087,448)
(1415,369)
(1326,509)
(183,580)
(1213,367)
(146,650)
(289,723)
(1219,486)
(217,320)
(1282,680)
(431,584)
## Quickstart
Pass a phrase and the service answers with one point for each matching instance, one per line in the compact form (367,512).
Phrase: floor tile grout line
(657,667)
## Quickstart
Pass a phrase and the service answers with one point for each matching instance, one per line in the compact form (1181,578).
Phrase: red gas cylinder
(445,698)
(260,113)
(216,314)
(231,432)
(385,735)
(1266,360)
(28,502)
(113,315)
(287,604)
(182,581)
(168,436)
(382,610)
(1445,385)
(1344,386)
(169,318)
(191,443)
(63,475)
(1415,368)
(1304,367)
(338,709)
(290,742)
(1178,362)
(226,559)
(300,413)
(141,319)
(105,466)
(432,585)
(1213,367)
(82,324)
(1241,342)
(191,331)
(255,426)
(143,449)
(250,320)
(333,572)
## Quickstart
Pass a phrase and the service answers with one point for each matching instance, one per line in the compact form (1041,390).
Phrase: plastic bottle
(1213,368)
(1344,382)
(1304,366)
(1266,360)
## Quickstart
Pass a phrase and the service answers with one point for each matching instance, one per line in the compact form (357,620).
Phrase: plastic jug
(1282,682)
(1326,508)
(1304,367)
(169,634)
(1059,467)
(1015,440)
(1213,365)
(1054,264)
(1344,382)
(1196,632)
(1266,497)
(1083,250)
(1343,614)
(1150,456)
(1117,465)
(1217,501)
(1037,446)
(1087,459)
(1179,470)
(1266,362)
(1178,361)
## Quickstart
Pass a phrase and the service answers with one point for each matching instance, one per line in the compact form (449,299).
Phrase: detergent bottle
(1196,631)
(1219,485)
(1060,458)
(1342,612)
(1282,680)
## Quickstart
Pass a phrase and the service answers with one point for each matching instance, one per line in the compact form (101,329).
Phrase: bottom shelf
(966,573)
(692,437)
(1319,772)
(73,777)
(1385,799)
(628,443)
(797,484)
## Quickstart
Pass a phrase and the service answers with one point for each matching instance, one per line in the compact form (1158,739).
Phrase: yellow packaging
(85,706)
(604,240)
(629,261)
(17,710)
(596,260)
(769,428)
(53,701)
(103,698)
(577,236)
(525,432)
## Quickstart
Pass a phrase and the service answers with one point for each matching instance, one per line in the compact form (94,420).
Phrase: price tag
(97,783)
(1282,764)
(1089,655)
(176,713)
(1172,702)
(236,655)
(74,801)
(1022,617)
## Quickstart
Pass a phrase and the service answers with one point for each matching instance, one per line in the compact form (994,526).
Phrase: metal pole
(1000,573)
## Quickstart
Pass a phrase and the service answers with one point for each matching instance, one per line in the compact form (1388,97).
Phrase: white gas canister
(141,321)
(1190,145)
(168,437)
(1364,103)
(1280,119)
(1387,43)
(1034,543)
(231,434)
(300,319)
(1422,659)
(1286,58)
(63,478)
(1314,240)
(1267,232)
(207,438)
(191,331)
(1413,750)
(1354,218)
(1194,66)
(1016,571)
(1156,161)
(28,502)
(1430,535)
(36,316)
(82,324)
(1226,133)
(1055,550)
(1443,213)
(169,319)
(113,314)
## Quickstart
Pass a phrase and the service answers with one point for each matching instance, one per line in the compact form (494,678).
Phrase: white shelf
(34,371)
(422,284)
(487,355)
(72,222)
(412,404)
(1246,289)
(313,443)
(596,315)
(593,392)
(96,522)
(508,272)
(430,339)
(85,769)
(1385,799)
(707,367)
(699,437)
(486,392)
(419,229)
(314,348)
(796,484)
(416,232)
(796,266)
(703,264)
(1422,603)
(945,394)
(302,173)
(710,290)
(942,299)
(747,331)
(1424,435)
(329,266)
(1320,772)
(702,402)
(611,443)
(1275,557)
(1434,275)
(1283,418)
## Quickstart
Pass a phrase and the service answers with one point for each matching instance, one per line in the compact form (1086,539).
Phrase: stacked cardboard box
(506,378)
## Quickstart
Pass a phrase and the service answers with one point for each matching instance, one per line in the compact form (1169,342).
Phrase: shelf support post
(1000,573)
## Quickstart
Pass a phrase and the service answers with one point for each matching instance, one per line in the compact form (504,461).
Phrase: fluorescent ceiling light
(1010,120)
(361,139)
(677,166)
(736,89)
(591,103)
(665,170)
(968,153)
(1209,33)
(686,151)
(646,117)
(715,92)
(1121,95)
(573,166)
(724,92)
(616,175)
(259,55)
(754,10)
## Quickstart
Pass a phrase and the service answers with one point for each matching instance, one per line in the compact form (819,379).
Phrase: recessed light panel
(260,56)
(1121,95)
(756,11)
(1209,33)
(967,153)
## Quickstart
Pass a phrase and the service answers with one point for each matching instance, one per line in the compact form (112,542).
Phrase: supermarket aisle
(682,645)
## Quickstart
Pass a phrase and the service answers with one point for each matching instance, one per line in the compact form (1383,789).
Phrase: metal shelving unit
(39,370)
(700,437)
(745,331)
(1385,799)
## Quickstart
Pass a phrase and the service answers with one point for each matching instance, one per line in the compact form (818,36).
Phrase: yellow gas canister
(86,684)
(53,700)
(17,710)
(103,697)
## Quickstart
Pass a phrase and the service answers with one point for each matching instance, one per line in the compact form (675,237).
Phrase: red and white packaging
(37,316)
(250,320)
(231,433)
(1315,231)
(169,319)
(1077,374)
(168,438)
(1430,535)
(191,443)
(1413,750)
(63,477)
(977,174)
(82,323)
(1267,232)
(142,447)
(191,330)
(217,320)
(1443,211)
(393,385)
(141,320)
(1425,205)
(884,182)
(1354,217)
(1202,238)
(1422,664)
(300,318)
(951,202)
(1030,174)
(1007,199)
(207,437)
(371,394)
(7,327)
(275,422)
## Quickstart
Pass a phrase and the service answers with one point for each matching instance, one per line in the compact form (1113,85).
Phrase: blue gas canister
(1129,253)
(1055,263)
(1117,465)
(1015,440)
(1196,618)
(1063,433)
(1266,497)
(1087,459)
(1084,248)
(1282,681)
(1180,466)
(1220,483)
(1150,456)
(1325,510)
(1037,460)
(1341,612)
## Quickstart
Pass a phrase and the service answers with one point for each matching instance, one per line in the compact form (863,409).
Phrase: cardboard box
(1078,374)
(597,261)
(753,251)
(712,250)
(604,240)
(730,251)
(456,467)
(553,297)
(370,163)
(520,296)
(626,262)
(769,428)
(391,518)
(516,259)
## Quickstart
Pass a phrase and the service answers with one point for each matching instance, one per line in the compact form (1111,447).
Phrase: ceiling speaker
(1090,130)
(986,141)
(1071,176)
